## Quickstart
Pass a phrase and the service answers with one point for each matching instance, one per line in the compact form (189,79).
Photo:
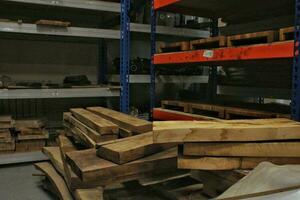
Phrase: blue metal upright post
(125,56)
(152,66)
(213,70)
(296,67)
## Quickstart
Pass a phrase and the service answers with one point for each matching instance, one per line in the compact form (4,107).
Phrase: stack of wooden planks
(83,174)
(7,142)
(89,171)
(234,144)
(31,135)
(97,124)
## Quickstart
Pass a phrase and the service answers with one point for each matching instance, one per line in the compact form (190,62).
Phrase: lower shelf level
(58,93)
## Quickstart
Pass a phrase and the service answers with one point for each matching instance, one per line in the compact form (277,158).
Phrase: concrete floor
(17,183)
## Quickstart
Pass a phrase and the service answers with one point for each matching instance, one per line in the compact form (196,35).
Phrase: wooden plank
(56,180)
(231,112)
(270,149)
(46,22)
(34,124)
(80,135)
(168,103)
(89,132)
(89,194)
(5,135)
(124,121)
(94,121)
(208,43)
(42,136)
(286,33)
(230,163)
(173,47)
(8,146)
(208,108)
(30,131)
(89,167)
(53,153)
(131,148)
(72,180)
(30,145)
(251,38)
(227,130)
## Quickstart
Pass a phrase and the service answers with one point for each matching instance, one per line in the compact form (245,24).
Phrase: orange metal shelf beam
(164,115)
(163,3)
(274,50)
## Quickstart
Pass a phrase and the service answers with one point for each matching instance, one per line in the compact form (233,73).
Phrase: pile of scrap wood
(235,144)
(92,159)
(7,142)
(31,135)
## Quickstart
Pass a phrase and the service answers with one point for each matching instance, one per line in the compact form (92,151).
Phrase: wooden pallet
(219,111)
(207,109)
(182,106)
(208,43)
(286,34)
(251,38)
(233,113)
(173,47)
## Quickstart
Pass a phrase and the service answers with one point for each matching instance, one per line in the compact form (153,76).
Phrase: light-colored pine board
(53,153)
(131,148)
(94,121)
(124,121)
(227,130)
(56,180)
(269,149)
(89,194)
(89,167)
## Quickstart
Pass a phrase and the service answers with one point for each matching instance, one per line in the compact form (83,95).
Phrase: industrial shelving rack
(254,52)
(102,7)
(115,8)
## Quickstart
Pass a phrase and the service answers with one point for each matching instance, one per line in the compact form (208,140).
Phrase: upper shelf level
(276,50)
(232,11)
(105,6)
